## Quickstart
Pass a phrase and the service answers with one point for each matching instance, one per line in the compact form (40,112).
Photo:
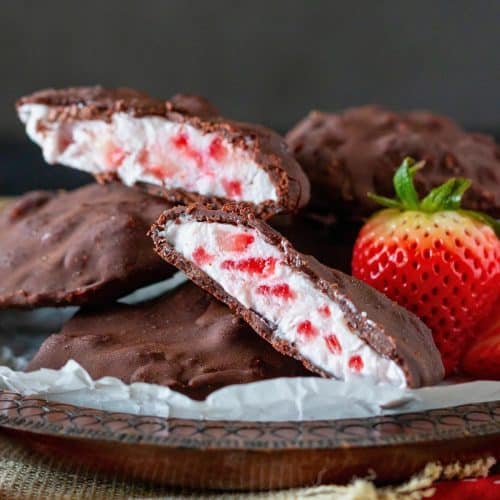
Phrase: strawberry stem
(404,185)
(385,202)
(448,196)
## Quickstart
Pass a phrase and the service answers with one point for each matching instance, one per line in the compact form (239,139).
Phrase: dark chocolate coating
(80,247)
(389,329)
(349,154)
(186,340)
(266,148)
(99,103)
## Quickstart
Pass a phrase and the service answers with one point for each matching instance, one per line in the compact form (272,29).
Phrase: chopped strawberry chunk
(201,256)
(217,150)
(235,242)
(143,157)
(233,189)
(196,156)
(306,329)
(154,163)
(333,344)
(180,141)
(114,156)
(324,310)
(252,265)
(282,291)
(65,138)
(356,363)
(158,171)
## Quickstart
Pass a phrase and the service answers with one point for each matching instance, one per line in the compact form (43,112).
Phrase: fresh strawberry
(430,256)
(482,357)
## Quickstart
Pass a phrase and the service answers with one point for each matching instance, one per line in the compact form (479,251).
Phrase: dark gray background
(265,61)
(268,61)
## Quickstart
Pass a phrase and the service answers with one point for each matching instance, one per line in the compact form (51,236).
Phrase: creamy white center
(254,272)
(151,150)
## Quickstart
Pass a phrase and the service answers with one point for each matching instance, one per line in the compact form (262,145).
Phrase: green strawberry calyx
(447,196)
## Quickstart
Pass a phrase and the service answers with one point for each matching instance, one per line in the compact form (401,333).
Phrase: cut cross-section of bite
(180,148)
(336,325)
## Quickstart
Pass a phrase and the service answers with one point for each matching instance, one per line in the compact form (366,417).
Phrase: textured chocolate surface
(389,329)
(186,340)
(78,247)
(265,147)
(99,103)
(349,154)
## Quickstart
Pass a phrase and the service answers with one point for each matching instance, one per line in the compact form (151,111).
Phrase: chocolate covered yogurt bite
(346,155)
(185,339)
(79,247)
(181,149)
(336,325)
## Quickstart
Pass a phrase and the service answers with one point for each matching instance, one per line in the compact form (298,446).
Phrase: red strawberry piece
(143,157)
(216,149)
(114,155)
(65,138)
(238,242)
(332,342)
(324,310)
(155,163)
(306,329)
(158,171)
(233,189)
(439,261)
(252,265)
(356,363)
(180,141)
(482,356)
(282,291)
(196,157)
(201,256)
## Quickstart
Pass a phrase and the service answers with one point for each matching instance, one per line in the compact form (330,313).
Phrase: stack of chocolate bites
(182,188)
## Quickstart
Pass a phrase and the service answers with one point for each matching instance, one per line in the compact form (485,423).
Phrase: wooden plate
(252,455)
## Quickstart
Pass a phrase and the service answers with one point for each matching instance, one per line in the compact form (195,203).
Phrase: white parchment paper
(278,399)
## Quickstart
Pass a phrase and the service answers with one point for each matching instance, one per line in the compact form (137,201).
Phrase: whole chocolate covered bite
(181,149)
(349,154)
(186,340)
(336,325)
(80,247)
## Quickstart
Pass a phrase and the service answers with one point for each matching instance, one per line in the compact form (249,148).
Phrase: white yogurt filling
(254,272)
(152,150)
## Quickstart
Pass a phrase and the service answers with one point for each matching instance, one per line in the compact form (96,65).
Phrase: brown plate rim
(37,415)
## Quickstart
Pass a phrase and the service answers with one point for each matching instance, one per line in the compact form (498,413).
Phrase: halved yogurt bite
(336,325)
(181,149)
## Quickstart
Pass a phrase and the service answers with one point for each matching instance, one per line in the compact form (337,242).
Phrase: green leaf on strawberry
(431,256)
(448,196)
